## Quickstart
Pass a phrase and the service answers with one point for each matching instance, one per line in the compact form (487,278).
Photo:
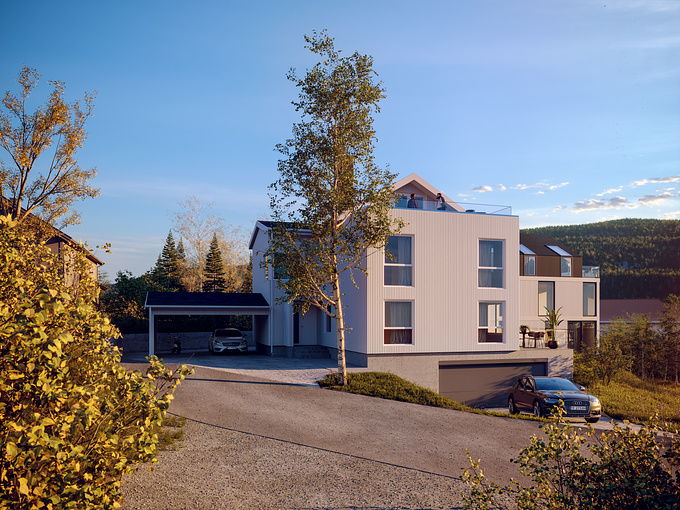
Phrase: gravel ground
(219,468)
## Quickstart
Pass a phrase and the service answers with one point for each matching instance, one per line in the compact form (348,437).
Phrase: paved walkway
(304,372)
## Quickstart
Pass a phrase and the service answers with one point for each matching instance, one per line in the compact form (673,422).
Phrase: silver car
(228,339)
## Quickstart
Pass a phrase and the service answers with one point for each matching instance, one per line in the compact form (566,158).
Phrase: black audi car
(539,395)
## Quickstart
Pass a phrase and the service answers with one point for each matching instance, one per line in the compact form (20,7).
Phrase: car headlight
(552,400)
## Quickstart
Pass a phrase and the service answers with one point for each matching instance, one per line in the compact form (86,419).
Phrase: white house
(443,313)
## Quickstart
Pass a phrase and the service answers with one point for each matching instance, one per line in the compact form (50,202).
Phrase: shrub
(72,419)
(621,469)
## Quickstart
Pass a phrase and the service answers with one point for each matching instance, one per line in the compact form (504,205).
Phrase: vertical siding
(445,292)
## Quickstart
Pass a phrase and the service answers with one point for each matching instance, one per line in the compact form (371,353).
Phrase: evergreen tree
(214,269)
(165,275)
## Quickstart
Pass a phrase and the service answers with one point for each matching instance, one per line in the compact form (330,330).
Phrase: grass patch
(630,398)
(392,387)
(171,433)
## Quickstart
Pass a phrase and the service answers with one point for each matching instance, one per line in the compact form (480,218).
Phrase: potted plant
(523,329)
(553,319)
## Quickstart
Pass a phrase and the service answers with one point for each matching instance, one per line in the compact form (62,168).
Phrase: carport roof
(205,300)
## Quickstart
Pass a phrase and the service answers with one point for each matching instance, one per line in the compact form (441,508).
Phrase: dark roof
(538,243)
(205,299)
(611,309)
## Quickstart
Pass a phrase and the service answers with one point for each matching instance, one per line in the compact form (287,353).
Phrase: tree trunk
(340,330)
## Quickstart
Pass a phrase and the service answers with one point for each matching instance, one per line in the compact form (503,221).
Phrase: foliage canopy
(331,202)
(34,182)
(72,419)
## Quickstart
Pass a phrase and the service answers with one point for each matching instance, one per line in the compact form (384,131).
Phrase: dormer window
(566,260)
(529,260)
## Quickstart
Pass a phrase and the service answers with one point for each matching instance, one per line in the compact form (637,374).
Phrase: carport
(204,303)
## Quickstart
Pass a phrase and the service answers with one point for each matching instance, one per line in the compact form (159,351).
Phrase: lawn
(628,397)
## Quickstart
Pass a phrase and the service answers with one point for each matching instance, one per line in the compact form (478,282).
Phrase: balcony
(590,272)
(462,207)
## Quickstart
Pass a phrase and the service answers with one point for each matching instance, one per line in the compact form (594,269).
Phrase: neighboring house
(552,276)
(612,309)
(64,246)
(443,313)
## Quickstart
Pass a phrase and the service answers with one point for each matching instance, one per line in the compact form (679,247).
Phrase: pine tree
(165,275)
(214,269)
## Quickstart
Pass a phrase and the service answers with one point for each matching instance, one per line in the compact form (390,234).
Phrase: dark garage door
(485,383)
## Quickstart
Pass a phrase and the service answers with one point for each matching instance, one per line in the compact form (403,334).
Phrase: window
(490,263)
(589,299)
(529,260)
(398,322)
(398,261)
(566,260)
(490,322)
(546,297)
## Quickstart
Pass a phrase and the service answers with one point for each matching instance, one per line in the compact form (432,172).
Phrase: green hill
(638,258)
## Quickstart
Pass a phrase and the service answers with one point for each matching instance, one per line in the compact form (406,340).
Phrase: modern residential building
(552,277)
(445,310)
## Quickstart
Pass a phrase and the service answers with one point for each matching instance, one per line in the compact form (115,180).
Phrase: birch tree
(195,223)
(331,202)
(42,176)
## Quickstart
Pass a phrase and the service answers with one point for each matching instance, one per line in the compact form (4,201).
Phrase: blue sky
(569,112)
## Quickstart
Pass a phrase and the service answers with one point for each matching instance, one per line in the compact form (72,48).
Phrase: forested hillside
(638,258)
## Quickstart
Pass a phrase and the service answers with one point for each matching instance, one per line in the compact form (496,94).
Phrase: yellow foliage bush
(72,419)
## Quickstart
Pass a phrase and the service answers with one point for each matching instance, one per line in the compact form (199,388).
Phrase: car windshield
(227,333)
(556,385)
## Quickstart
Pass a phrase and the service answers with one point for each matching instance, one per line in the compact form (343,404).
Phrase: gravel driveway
(257,443)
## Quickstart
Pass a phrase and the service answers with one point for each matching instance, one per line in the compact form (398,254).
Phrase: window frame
(541,311)
(592,285)
(387,328)
(485,269)
(389,264)
(483,329)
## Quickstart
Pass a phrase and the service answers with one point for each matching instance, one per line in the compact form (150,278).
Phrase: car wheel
(592,420)
(538,409)
(512,408)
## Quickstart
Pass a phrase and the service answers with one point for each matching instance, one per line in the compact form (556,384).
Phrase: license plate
(578,408)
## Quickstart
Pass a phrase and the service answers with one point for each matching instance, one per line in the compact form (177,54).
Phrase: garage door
(484,383)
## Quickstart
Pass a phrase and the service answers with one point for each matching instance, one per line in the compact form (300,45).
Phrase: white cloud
(654,199)
(500,187)
(609,191)
(671,215)
(655,180)
(482,189)
(556,186)
(592,204)
(542,186)
(559,208)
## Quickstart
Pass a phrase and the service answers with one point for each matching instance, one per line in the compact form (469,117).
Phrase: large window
(490,322)
(529,260)
(398,261)
(589,299)
(490,263)
(546,297)
(398,322)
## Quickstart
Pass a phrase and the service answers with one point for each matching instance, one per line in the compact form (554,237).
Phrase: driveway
(261,434)
(257,395)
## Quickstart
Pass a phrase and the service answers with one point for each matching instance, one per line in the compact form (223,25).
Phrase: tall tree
(670,334)
(166,273)
(331,201)
(195,223)
(35,182)
(214,269)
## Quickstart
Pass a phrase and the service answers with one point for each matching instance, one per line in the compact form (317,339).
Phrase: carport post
(151,332)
